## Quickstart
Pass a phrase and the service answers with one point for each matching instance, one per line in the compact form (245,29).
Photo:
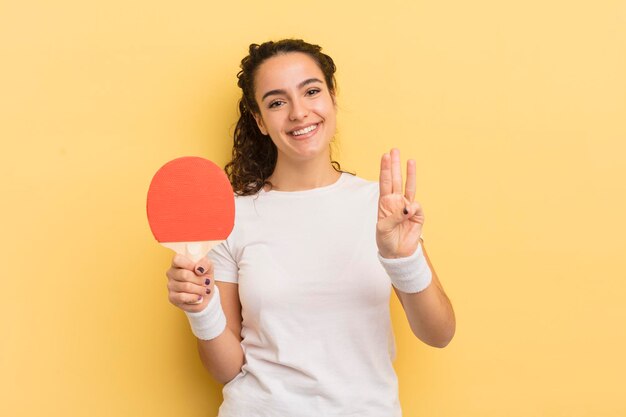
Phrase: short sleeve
(224,264)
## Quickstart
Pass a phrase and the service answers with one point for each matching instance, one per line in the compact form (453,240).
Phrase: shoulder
(245,202)
(359,184)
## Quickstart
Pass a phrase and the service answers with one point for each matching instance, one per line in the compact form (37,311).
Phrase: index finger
(385,182)
(396,171)
(182,262)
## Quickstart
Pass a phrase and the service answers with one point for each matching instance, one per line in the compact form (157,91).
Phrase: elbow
(438,339)
(222,376)
(224,379)
(446,333)
(441,343)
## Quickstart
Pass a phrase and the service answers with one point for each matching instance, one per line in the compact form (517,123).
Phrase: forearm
(430,314)
(425,303)
(218,329)
(223,356)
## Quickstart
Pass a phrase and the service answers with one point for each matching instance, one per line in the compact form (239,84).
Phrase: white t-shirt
(317,333)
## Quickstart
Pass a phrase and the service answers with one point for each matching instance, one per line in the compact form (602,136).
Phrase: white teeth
(303,131)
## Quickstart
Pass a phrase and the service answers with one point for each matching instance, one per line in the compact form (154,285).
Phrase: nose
(298,110)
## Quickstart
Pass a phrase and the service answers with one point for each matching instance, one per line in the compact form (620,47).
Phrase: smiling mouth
(304,131)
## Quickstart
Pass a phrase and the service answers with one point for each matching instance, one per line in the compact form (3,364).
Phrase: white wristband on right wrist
(410,274)
(210,322)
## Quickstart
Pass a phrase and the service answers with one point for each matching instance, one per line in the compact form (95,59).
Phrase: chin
(312,151)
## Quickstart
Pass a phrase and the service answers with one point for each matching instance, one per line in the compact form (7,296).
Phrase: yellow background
(514,111)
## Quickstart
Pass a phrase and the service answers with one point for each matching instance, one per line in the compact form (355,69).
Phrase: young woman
(298,323)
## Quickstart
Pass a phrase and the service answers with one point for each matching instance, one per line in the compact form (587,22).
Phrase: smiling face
(297,109)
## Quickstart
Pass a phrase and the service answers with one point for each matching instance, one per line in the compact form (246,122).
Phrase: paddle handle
(192,250)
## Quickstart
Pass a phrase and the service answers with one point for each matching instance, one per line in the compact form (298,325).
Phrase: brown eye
(313,91)
(276,103)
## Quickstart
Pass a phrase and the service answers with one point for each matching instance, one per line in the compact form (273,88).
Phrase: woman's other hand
(400,218)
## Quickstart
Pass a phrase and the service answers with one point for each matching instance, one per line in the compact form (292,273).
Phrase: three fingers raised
(390,180)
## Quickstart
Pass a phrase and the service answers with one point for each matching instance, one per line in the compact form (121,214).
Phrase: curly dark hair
(254,156)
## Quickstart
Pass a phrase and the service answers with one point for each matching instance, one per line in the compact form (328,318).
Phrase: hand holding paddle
(190,208)
(189,284)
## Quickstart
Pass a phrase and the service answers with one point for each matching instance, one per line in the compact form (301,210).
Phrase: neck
(302,175)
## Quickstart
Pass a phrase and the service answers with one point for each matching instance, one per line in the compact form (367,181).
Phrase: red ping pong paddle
(191,206)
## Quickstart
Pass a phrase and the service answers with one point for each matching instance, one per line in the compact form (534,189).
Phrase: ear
(259,123)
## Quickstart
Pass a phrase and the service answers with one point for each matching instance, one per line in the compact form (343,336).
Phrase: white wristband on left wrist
(410,274)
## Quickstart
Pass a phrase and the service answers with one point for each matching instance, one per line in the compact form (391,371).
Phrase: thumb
(203,267)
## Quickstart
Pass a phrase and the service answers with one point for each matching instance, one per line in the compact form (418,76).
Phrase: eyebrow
(302,84)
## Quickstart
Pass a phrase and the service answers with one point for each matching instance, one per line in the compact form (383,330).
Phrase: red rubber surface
(190,199)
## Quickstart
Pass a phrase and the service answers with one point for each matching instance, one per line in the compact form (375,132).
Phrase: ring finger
(410,187)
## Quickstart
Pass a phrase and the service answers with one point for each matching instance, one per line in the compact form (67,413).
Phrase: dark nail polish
(200,269)
(207,281)
(405,211)
(208,291)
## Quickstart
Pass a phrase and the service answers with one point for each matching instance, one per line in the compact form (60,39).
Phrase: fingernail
(405,211)
(200,269)
(207,281)
(208,291)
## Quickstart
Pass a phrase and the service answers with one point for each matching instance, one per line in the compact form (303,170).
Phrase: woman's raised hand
(190,284)
(400,218)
